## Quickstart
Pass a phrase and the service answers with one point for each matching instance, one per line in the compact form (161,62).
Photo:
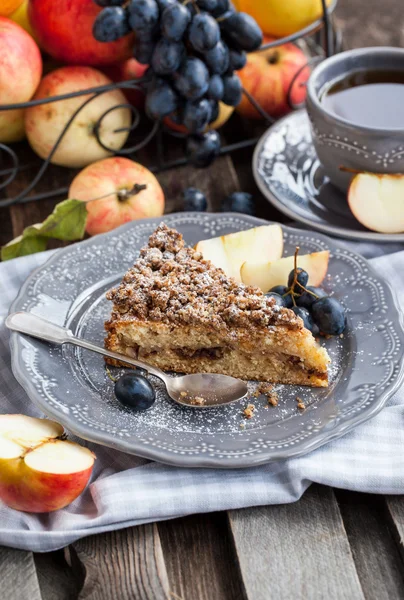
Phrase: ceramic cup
(341,143)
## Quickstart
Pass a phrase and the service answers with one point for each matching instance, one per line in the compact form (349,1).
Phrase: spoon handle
(37,327)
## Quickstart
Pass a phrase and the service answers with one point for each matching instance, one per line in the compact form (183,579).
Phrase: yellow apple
(79,146)
(282,17)
(20,74)
(39,471)
(230,251)
(20,16)
(269,274)
(115,180)
(377,201)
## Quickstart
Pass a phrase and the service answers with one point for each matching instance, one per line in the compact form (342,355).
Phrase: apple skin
(20,74)
(79,146)
(126,71)
(112,175)
(282,17)
(268,75)
(7,7)
(64,30)
(20,16)
(25,489)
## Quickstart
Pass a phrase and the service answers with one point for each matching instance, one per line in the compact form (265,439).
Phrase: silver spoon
(187,390)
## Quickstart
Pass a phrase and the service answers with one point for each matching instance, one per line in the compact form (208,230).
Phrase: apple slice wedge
(230,251)
(377,201)
(39,471)
(268,275)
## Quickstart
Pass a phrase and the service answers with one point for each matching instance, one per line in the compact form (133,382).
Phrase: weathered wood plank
(122,565)
(18,575)
(394,511)
(296,551)
(56,579)
(200,560)
(375,553)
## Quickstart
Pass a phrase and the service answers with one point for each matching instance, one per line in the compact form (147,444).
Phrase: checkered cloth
(126,490)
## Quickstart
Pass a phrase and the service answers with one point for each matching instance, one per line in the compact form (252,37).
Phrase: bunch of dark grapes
(193,48)
(321,313)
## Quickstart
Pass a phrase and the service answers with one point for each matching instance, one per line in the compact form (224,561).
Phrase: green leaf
(67,223)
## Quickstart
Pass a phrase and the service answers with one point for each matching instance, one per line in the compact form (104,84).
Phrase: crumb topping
(172,283)
(248,412)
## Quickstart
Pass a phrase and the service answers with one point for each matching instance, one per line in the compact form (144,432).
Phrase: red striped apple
(268,75)
(79,146)
(20,74)
(126,191)
(64,30)
(267,275)
(40,471)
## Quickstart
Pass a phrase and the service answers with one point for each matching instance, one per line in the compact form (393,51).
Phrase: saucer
(289,174)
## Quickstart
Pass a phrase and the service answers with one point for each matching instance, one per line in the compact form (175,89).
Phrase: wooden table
(331,544)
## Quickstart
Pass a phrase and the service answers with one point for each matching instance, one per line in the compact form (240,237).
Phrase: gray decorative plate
(290,176)
(71,385)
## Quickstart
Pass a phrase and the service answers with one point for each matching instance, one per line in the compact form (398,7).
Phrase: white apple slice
(39,472)
(268,275)
(230,251)
(377,201)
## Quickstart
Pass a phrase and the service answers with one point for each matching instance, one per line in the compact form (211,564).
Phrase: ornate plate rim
(327,229)
(324,436)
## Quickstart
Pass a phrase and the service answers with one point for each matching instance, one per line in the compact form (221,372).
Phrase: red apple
(64,30)
(126,71)
(268,75)
(39,471)
(127,191)
(20,74)
(79,145)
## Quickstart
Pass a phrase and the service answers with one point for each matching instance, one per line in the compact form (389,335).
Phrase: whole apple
(64,30)
(39,471)
(268,75)
(20,74)
(282,17)
(123,191)
(126,71)
(79,146)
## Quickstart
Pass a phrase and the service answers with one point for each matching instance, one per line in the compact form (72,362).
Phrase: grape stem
(295,282)
(112,378)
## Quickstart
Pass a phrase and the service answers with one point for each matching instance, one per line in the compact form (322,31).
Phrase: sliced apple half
(230,251)
(39,471)
(269,274)
(377,201)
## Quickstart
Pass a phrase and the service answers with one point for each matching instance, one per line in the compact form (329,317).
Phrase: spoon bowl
(200,390)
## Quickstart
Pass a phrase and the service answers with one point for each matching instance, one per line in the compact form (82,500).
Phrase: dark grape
(306,300)
(192,79)
(196,115)
(161,100)
(288,300)
(163,4)
(279,301)
(194,199)
(143,50)
(135,391)
(216,88)
(208,5)
(174,22)
(202,149)
(143,15)
(222,6)
(237,59)
(302,278)
(203,33)
(306,317)
(214,110)
(243,31)
(233,90)
(279,289)
(240,202)
(167,57)
(217,59)
(110,24)
(109,2)
(329,315)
